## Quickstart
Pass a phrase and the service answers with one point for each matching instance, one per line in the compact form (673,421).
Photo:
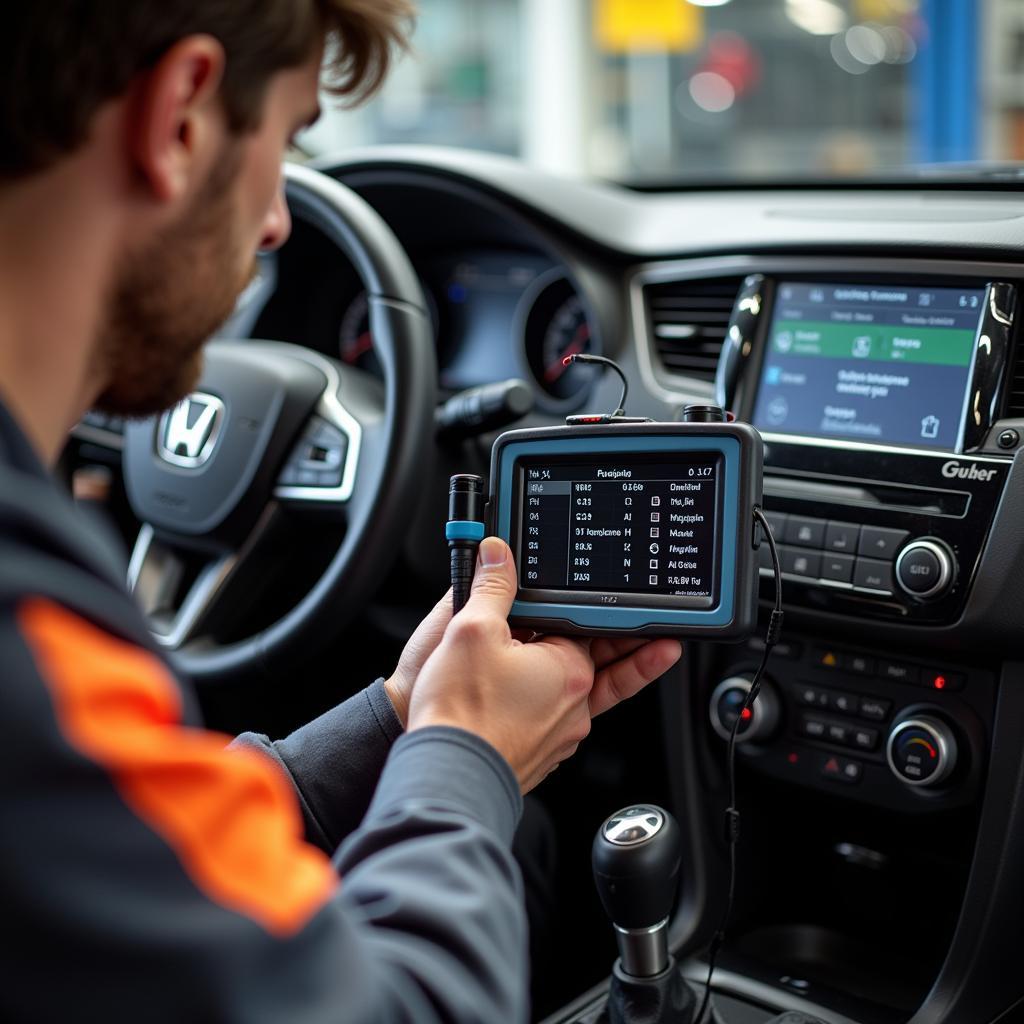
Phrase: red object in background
(732,57)
(746,714)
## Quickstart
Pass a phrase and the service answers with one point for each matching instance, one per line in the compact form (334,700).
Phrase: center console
(884,392)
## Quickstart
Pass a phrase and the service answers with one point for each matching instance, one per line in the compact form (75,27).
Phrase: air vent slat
(689,320)
(1015,383)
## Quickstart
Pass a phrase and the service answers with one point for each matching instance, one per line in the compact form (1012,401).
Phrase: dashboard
(872,336)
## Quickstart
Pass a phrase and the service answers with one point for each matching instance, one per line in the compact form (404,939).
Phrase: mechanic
(151,870)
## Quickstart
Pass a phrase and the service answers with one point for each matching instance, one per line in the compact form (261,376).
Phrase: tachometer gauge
(558,325)
(568,334)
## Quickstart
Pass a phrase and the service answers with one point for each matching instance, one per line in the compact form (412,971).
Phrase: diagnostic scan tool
(624,526)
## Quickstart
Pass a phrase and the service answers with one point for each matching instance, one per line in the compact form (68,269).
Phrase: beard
(168,298)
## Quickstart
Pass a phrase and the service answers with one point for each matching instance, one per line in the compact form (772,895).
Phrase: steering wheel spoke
(178,590)
(322,466)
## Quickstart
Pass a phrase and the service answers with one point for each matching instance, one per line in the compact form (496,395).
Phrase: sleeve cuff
(453,769)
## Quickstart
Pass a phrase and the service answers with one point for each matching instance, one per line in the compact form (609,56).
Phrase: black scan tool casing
(636,529)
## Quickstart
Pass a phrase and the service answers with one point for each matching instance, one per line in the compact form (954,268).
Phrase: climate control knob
(761,721)
(926,569)
(921,750)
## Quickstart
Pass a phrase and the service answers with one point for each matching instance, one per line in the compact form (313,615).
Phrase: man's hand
(533,702)
(421,646)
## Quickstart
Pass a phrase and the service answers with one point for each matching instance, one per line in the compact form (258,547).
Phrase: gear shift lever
(635,856)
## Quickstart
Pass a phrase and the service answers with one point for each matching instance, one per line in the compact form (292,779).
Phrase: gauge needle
(358,347)
(576,347)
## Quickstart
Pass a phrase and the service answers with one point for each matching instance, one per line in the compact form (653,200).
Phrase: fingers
(605,651)
(494,584)
(632,673)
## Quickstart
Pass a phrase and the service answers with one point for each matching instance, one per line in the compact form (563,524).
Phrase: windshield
(662,91)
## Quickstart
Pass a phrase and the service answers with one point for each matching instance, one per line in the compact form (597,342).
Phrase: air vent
(688,320)
(1015,383)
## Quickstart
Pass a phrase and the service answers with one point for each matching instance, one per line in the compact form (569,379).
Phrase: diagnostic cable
(732,814)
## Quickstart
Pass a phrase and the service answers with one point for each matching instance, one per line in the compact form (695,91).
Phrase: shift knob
(636,856)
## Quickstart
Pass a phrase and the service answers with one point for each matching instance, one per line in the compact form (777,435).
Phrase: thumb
(495,584)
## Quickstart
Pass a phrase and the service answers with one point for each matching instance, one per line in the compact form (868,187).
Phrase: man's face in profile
(172,295)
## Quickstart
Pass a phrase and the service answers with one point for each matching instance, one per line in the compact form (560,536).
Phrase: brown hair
(60,60)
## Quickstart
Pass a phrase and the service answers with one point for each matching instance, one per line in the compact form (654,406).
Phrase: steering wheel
(270,425)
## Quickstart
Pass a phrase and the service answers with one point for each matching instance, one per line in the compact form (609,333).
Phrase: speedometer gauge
(557,325)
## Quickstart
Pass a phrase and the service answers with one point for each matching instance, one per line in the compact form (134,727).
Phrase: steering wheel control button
(841,769)
(921,751)
(926,569)
(807,533)
(838,568)
(318,460)
(801,563)
(759,722)
(842,538)
(876,542)
(869,574)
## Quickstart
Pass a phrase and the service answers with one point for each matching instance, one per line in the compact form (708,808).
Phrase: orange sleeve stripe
(230,816)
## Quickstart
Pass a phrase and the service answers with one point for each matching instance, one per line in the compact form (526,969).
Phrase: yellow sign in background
(648,26)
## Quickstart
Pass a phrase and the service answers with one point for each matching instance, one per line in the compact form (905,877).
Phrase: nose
(278,224)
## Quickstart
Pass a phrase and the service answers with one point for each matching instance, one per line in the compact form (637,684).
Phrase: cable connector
(774,628)
(732,825)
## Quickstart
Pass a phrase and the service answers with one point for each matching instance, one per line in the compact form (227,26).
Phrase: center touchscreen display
(878,363)
(643,524)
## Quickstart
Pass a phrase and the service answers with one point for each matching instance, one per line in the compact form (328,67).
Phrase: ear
(178,123)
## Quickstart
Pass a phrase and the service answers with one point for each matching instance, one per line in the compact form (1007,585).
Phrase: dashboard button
(808,533)
(841,769)
(864,739)
(875,708)
(837,733)
(811,696)
(842,537)
(873,575)
(937,679)
(801,563)
(860,664)
(777,521)
(878,543)
(813,727)
(845,703)
(837,567)
(899,672)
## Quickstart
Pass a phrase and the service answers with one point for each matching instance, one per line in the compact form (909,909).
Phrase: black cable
(601,361)
(732,815)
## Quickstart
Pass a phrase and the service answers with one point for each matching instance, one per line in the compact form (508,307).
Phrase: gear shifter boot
(664,999)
